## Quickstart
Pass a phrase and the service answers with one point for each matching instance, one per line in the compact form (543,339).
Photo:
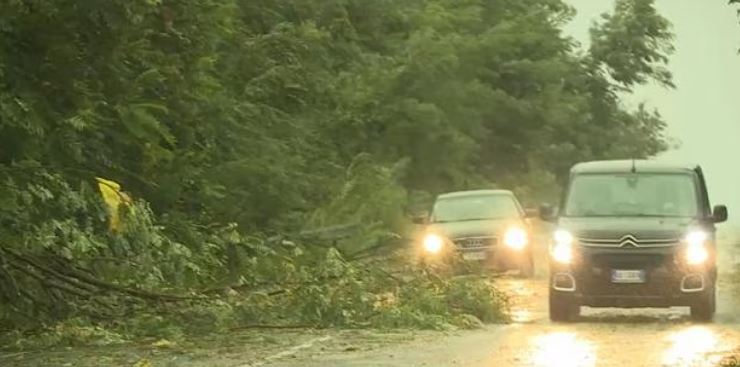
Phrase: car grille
(628,241)
(474,242)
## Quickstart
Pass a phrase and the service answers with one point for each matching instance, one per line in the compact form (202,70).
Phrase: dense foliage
(231,121)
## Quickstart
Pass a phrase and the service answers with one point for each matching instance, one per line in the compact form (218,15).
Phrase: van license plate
(628,276)
(474,255)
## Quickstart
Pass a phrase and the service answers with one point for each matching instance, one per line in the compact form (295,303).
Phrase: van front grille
(475,242)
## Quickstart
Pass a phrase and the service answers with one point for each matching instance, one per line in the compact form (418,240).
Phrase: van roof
(625,166)
(474,193)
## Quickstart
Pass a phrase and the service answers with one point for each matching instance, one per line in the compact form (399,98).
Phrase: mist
(702,113)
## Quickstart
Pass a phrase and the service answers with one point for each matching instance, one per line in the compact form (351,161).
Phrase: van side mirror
(547,213)
(719,214)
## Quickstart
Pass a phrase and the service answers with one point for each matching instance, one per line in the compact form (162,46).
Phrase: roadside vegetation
(258,160)
(730,237)
(733,360)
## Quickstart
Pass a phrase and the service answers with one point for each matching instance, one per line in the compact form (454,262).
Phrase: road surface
(603,337)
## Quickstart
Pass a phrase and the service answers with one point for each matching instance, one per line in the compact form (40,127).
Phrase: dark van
(634,233)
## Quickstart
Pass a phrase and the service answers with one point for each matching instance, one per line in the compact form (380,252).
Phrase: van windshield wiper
(646,215)
(467,220)
(636,215)
(661,215)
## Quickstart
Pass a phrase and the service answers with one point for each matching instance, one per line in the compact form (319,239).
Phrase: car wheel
(562,308)
(704,309)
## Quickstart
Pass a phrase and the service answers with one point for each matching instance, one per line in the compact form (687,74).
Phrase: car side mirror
(531,213)
(422,218)
(547,213)
(719,214)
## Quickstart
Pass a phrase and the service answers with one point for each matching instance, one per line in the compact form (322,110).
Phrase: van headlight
(562,249)
(433,243)
(516,238)
(696,247)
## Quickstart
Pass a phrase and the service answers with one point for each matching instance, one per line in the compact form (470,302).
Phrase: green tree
(232,118)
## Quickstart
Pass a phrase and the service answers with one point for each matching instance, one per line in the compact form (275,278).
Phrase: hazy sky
(703,112)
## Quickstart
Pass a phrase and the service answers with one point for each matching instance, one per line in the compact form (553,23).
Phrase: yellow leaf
(143,363)
(113,198)
(163,343)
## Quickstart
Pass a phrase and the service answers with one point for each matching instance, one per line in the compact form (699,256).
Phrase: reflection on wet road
(692,346)
(689,346)
(563,349)
(609,337)
(602,337)
(522,316)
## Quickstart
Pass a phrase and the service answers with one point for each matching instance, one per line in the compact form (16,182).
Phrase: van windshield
(478,207)
(633,194)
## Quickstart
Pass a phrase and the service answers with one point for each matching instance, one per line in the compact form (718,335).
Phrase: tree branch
(49,284)
(81,277)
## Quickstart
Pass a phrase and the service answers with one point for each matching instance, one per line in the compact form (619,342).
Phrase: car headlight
(433,243)
(516,238)
(696,247)
(562,249)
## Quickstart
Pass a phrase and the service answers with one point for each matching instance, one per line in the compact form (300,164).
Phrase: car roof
(626,166)
(455,194)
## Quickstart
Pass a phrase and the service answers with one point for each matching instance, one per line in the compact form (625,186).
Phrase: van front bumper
(667,281)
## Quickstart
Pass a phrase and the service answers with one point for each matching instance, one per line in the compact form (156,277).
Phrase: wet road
(603,337)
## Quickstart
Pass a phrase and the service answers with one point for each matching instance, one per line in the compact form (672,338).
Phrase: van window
(634,194)
(477,207)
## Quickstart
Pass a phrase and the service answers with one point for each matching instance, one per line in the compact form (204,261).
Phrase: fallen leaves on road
(164,343)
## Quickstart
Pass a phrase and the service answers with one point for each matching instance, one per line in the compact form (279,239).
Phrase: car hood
(472,228)
(614,228)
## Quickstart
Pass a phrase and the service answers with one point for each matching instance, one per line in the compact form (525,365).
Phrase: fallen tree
(320,277)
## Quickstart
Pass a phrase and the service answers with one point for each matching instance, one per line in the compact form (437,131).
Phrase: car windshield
(624,195)
(476,207)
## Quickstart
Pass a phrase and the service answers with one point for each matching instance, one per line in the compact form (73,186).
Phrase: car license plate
(628,276)
(474,255)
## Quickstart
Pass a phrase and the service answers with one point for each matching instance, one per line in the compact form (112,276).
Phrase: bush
(478,298)
(358,295)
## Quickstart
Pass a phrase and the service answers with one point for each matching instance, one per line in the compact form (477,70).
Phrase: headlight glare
(696,248)
(696,254)
(563,236)
(433,243)
(562,253)
(696,237)
(562,249)
(516,238)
